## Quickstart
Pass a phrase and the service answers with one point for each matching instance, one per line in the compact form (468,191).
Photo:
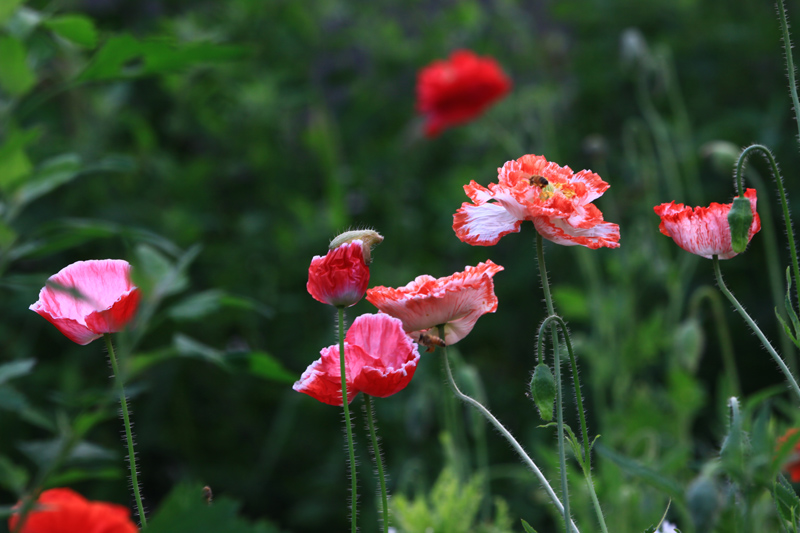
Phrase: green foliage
(451,506)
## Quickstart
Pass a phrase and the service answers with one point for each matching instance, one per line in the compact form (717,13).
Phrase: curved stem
(376,451)
(348,427)
(587,447)
(557,375)
(706,292)
(123,401)
(505,433)
(786,372)
(776,175)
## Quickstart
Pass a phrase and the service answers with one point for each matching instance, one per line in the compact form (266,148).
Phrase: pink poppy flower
(456,301)
(65,511)
(555,199)
(704,230)
(455,91)
(340,278)
(380,360)
(89,298)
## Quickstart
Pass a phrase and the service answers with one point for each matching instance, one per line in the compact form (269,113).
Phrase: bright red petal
(341,277)
(65,511)
(322,380)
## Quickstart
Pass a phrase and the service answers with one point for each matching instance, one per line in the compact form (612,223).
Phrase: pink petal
(322,379)
(484,224)
(115,318)
(604,234)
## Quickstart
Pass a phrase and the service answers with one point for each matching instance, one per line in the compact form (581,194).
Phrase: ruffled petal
(322,380)
(605,234)
(115,318)
(484,224)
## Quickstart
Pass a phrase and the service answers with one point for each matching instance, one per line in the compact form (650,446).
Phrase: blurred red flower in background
(379,357)
(89,298)
(455,91)
(65,511)
(555,199)
(704,230)
(340,278)
(793,466)
(456,301)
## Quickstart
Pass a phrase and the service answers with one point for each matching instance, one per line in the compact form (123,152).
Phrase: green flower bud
(740,218)
(543,391)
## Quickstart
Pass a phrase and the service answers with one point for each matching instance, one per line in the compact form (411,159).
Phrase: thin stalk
(557,374)
(790,71)
(123,401)
(586,464)
(505,433)
(346,407)
(787,220)
(707,292)
(376,451)
(786,372)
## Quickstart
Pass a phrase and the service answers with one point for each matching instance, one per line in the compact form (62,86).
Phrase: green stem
(586,464)
(376,451)
(346,407)
(786,372)
(790,72)
(776,175)
(706,292)
(123,401)
(505,433)
(557,374)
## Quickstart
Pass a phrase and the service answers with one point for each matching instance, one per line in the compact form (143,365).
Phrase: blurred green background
(259,130)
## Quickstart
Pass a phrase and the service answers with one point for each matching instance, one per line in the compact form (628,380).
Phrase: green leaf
(74,475)
(50,175)
(527,527)
(263,365)
(205,303)
(786,328)
(637,469)
(14,163)
(16,77)
(786,500)
(156,274)
(787,302)
(7,7)
(77,29)
(13,478)
(15,369)
(185,511)
(188,347)
(43,452)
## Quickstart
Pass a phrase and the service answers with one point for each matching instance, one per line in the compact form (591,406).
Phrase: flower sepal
(740,218)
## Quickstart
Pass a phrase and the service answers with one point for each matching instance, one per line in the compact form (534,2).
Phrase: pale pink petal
(604,234)
(484,224)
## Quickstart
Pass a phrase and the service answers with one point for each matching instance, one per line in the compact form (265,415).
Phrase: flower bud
(369,240)
(703,500)
(740,218)
(341,277)
(543,391)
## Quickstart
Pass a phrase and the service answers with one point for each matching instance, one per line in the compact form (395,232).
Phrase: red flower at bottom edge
(65,511)
(793,466)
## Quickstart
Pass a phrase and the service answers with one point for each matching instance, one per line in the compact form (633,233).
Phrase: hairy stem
(123,401)
(376,451)
(349,429)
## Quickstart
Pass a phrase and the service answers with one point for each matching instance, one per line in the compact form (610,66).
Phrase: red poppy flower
(341,277)
(557,200)
(66,511)
(793,466)
(455,91)
(89,298)
(704,230)
(456,301)
(380,360)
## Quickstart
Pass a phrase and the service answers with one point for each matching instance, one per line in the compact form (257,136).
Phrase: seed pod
(740,218)
(369,239)
(543,391)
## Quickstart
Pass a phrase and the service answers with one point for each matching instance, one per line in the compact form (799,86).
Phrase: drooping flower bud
(543,391)
(740,218)
(341,277)
(369,240)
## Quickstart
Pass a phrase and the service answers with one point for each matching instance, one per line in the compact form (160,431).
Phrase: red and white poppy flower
(556,200)
(380,360)
(459,89)
(340,277)
(89,298)
(456,301)
(65,511)
(704,231)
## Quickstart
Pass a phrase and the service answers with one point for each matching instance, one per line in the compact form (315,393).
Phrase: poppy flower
(793,466)
(556,200)
(65,511)
(340,278)
(704,230)
(380,360)
(455,91)
(89,298)
(456,301)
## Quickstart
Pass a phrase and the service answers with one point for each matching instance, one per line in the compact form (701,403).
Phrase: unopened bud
(369,239)
(543,391)
(740,218)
